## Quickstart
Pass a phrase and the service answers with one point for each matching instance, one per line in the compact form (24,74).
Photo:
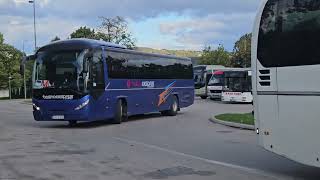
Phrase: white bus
(216,85)
(217,82)
(286,83)
(237,86)
(202,75)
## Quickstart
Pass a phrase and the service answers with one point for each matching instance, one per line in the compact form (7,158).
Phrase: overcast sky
(162,24)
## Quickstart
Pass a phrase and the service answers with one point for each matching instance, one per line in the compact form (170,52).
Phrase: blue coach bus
(88,80)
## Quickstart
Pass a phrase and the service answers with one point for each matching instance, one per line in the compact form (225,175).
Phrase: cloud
(20,29)
(211,30)
(206,21)
(131,9)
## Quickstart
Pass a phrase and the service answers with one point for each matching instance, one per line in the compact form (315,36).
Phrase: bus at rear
(202,76)
(237,86)
(286,84)
(216,85)
(83,80)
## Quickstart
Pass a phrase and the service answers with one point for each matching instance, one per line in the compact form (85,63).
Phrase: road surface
(187,146)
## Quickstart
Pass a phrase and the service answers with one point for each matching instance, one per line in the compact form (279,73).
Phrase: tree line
(113,30)
(239,57)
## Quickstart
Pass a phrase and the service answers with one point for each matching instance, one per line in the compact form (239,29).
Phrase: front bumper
(49,110)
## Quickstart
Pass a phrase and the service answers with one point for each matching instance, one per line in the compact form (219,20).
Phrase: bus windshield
(59,70)
(216,80)
(237,82)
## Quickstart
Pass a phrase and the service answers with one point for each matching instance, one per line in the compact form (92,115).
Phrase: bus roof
(209,67)
(82,43)
(79,43)
(235,69)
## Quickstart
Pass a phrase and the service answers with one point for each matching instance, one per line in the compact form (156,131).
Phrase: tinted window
(238,81)
(97,73)
(289,33)
(136,66)
(117,65)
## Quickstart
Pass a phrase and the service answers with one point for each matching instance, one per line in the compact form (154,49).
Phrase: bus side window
(97,72)
(117,65)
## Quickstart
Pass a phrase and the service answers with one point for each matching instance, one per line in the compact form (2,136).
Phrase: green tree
(242,52)
(115,30)
(219,56)
(1,39)
(55,39)
(10,59)
(84,32)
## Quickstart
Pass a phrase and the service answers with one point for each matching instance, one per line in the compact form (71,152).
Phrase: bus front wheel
(121,112)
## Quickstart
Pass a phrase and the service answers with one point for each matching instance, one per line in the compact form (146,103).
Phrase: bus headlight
(36,107)
(82,105)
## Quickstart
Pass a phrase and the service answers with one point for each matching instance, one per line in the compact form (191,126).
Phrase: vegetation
(111,30)
(55,39)
(180,53)
(237,118)
(240,57)
(217,56)
(84,32)
(242,52)
(10,58)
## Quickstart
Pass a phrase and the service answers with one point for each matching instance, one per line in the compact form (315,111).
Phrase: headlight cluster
(82,105)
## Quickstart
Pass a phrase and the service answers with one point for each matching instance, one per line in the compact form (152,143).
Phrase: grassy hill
(180,53)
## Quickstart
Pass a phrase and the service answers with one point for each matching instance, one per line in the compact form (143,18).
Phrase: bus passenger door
(97,84)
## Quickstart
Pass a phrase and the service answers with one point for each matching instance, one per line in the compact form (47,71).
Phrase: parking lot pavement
(187,146)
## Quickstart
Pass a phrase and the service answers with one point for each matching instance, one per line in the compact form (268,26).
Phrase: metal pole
(34,25)
(24,76)
(24,81)
(10,87)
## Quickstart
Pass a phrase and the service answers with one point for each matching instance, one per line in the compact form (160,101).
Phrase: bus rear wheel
(174,108)
(121,112)
(204,97)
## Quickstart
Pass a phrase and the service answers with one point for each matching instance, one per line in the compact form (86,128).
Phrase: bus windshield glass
(237,82)
(59,70)
(216,80)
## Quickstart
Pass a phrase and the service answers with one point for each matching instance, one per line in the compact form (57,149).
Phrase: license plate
(58,117)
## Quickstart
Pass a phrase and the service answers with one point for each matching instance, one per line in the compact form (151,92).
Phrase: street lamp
(24,73)
(10,86)
(34,23)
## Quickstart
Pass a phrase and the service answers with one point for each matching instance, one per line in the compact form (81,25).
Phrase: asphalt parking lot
(187,146)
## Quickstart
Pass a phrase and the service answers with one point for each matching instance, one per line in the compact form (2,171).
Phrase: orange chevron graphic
(165,94)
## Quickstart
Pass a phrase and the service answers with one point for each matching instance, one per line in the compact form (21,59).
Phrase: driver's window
(97,71)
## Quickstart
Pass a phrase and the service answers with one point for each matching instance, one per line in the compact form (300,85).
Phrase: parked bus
(216,85)
(88,80)
(237,86)
(202,75)
(286,84)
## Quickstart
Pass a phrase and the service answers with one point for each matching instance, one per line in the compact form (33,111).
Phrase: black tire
(204,97)
(121,112)
(174,108)
(73,123)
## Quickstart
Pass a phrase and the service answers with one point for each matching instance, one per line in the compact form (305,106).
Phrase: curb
(232,124)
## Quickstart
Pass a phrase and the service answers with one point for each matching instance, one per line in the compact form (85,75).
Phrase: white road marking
(242,168)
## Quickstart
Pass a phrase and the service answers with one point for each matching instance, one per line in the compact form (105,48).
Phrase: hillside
(180,53)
